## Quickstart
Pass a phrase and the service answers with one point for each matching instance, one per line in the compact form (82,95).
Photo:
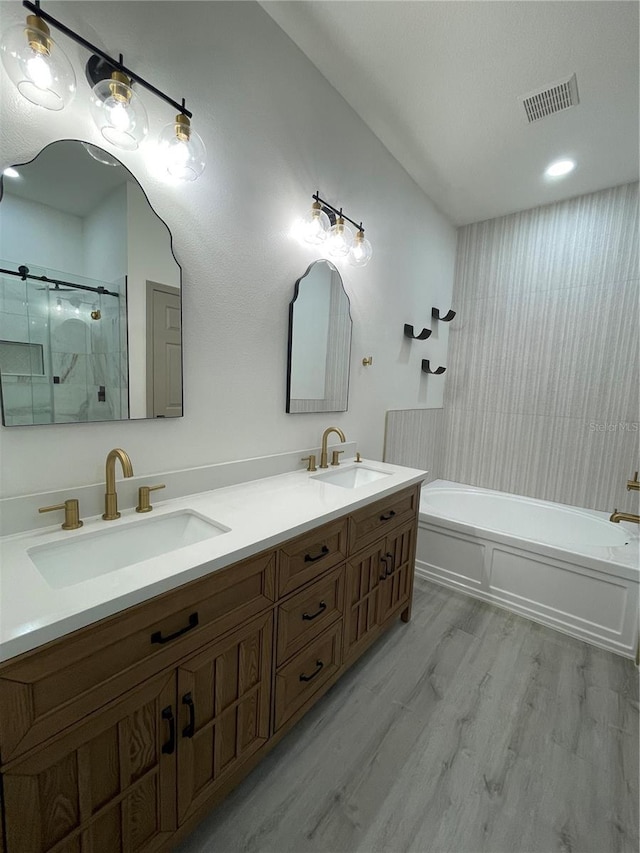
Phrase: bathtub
(568,568)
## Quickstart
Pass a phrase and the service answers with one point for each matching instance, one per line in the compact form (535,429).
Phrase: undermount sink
(88,556)
(351,477)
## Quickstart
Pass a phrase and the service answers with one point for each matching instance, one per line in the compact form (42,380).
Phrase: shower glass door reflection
(63,350)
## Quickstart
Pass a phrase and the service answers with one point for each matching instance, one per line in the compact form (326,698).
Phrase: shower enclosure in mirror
(90,294)
(319,342)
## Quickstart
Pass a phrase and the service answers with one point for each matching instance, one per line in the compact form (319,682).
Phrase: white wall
(40,236)
(105,238)
(276,132)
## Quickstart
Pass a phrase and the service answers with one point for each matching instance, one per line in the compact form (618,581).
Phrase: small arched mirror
(319,342)
(90,293)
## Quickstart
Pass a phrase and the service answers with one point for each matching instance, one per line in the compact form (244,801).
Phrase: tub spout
(624,516)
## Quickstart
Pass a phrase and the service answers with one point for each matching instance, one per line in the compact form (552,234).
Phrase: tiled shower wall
(542,381)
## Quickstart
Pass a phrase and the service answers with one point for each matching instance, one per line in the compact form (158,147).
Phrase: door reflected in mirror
(319,342)
(90,294)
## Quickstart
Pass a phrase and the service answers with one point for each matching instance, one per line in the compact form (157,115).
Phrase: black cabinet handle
(168,748)
(385,572)
(393,564)
(188,730)
(157,637)
(309,616)
(388,516)
(323,553)
(319,666)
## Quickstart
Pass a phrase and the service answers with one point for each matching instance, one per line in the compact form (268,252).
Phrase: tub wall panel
(542,381)
(414,437)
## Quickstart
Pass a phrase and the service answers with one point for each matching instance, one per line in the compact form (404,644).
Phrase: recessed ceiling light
(11,173)
(560,167)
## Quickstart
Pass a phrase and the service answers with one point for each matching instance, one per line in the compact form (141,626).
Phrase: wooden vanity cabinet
(128,755)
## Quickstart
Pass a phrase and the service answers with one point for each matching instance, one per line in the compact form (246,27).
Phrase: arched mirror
(319,342)
(90,294)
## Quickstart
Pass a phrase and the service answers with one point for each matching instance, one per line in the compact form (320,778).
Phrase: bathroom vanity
(121,735)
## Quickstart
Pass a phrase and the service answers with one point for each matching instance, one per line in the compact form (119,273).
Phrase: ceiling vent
(553,99)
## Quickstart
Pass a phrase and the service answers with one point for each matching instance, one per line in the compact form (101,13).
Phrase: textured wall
(275,131)
(542,396)
(414,437)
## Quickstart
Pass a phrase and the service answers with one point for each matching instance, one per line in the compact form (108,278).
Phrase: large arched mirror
(319,342)
(90,299)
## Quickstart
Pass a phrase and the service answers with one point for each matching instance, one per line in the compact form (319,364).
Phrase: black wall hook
(427,369)
(448,317)
(408,333)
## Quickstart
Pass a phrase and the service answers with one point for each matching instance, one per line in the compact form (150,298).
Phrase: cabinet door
(365,574)
(397,586)
(107,786)
(224,694)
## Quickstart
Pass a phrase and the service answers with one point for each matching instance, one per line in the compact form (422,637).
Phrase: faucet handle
(311,459)
(633,484)
(71,509)
(143,497)
(358,457)
(335,460)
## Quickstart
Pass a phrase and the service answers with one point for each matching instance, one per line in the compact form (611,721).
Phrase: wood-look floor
(470,729)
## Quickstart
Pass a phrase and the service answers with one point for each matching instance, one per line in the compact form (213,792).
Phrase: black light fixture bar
(337,212)
(23,273)
(117,65)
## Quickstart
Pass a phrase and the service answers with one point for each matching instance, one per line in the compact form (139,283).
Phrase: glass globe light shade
(315,225)
(118,112)
(182,150)
(100,155)
(340,239)
(37,66)
(361,251)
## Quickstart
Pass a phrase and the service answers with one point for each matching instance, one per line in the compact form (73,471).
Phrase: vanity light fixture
(324,222)
(37,66)
(42,73)
(10,172)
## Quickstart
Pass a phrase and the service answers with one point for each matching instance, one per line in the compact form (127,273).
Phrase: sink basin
(80,559)
(352,477)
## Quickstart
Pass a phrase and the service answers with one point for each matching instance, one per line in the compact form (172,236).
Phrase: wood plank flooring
(469,730)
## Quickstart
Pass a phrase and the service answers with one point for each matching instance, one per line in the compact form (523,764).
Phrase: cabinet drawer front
(373,521)
(307,557)
(50,688)
(299,680)
(308,613)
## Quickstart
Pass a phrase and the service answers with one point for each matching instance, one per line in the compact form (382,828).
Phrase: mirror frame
(296,292)
(181,276)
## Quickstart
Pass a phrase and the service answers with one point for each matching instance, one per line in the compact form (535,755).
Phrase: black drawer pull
(385,572)
(319,666)
(157,637)
(323,553)
(309,616)
(388,516)
(169,747)
(393,564)
(189,729)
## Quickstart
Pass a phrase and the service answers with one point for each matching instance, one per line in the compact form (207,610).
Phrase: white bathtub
(568,568)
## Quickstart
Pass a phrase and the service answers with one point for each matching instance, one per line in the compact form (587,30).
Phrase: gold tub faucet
(111,496)
(633,484)
(325,435)
(624,516)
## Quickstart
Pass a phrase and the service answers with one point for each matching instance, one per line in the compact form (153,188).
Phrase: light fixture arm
(117,65)
(337,211)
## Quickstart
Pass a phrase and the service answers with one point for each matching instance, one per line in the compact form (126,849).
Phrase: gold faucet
(633,484)
(624,516)
(325,436)
(111,496)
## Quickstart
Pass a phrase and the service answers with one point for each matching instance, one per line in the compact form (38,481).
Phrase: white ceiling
(440,84)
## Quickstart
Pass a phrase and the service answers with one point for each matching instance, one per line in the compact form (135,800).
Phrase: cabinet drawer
(303,677)
(375,520)
(308,613)
(305,558)
(48,689)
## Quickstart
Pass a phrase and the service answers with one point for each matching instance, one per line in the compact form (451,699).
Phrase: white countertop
(259,514)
